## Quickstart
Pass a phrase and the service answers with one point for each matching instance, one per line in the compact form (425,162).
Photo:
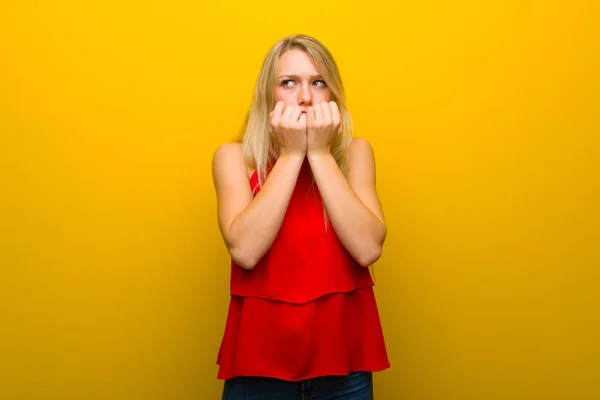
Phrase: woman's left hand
(323,123)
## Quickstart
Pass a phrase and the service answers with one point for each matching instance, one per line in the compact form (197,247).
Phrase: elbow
(242,258)
(372,251)
(369,256)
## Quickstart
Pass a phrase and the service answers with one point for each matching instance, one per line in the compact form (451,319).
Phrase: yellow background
(484,116)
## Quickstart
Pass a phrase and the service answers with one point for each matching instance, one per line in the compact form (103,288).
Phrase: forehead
(297,62)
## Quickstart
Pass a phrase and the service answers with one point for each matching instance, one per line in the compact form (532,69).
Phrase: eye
(319,83)
(287,82)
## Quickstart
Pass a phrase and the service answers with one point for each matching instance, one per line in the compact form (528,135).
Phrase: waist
(298,281)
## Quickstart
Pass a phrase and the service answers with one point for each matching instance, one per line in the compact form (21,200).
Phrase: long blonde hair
(259,149)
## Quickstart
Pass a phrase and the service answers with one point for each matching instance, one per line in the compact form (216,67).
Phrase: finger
(326,114)
(336,116)
(318,113)
(302,120)
(277,112)
(310,115)
(287,113)
(295,114)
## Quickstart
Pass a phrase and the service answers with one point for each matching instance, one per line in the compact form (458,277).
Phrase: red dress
(307,309)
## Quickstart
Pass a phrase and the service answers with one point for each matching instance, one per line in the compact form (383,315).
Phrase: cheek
(323,96)
(280,95)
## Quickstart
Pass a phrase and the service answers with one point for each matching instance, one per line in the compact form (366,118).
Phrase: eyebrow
(318,76)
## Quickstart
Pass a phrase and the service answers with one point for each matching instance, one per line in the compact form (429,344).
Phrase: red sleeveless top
(307,309)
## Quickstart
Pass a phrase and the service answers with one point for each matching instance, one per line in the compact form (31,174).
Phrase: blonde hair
(259,149)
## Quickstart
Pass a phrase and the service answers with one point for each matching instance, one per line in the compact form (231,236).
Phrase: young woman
(300,216)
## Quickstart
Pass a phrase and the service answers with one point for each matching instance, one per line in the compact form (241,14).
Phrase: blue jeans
(356,386)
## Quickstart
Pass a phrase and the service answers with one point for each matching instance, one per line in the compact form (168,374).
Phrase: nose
(304,95)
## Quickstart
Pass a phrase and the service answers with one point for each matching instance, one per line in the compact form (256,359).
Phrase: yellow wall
(485,121)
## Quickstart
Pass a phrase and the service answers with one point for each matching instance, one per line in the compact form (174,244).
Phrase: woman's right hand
(288,129)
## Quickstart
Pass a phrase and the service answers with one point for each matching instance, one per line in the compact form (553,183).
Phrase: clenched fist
(324,123)
(288,129)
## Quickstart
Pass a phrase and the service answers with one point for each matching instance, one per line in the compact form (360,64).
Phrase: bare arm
(250,224)
(352,204)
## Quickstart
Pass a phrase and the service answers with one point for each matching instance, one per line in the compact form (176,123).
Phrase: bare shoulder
(231,156)
(360,154)
(360,144)
(361,174)
(228,152)
(228,161)
(231,183)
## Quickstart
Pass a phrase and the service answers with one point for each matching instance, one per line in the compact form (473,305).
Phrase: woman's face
(299,82)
